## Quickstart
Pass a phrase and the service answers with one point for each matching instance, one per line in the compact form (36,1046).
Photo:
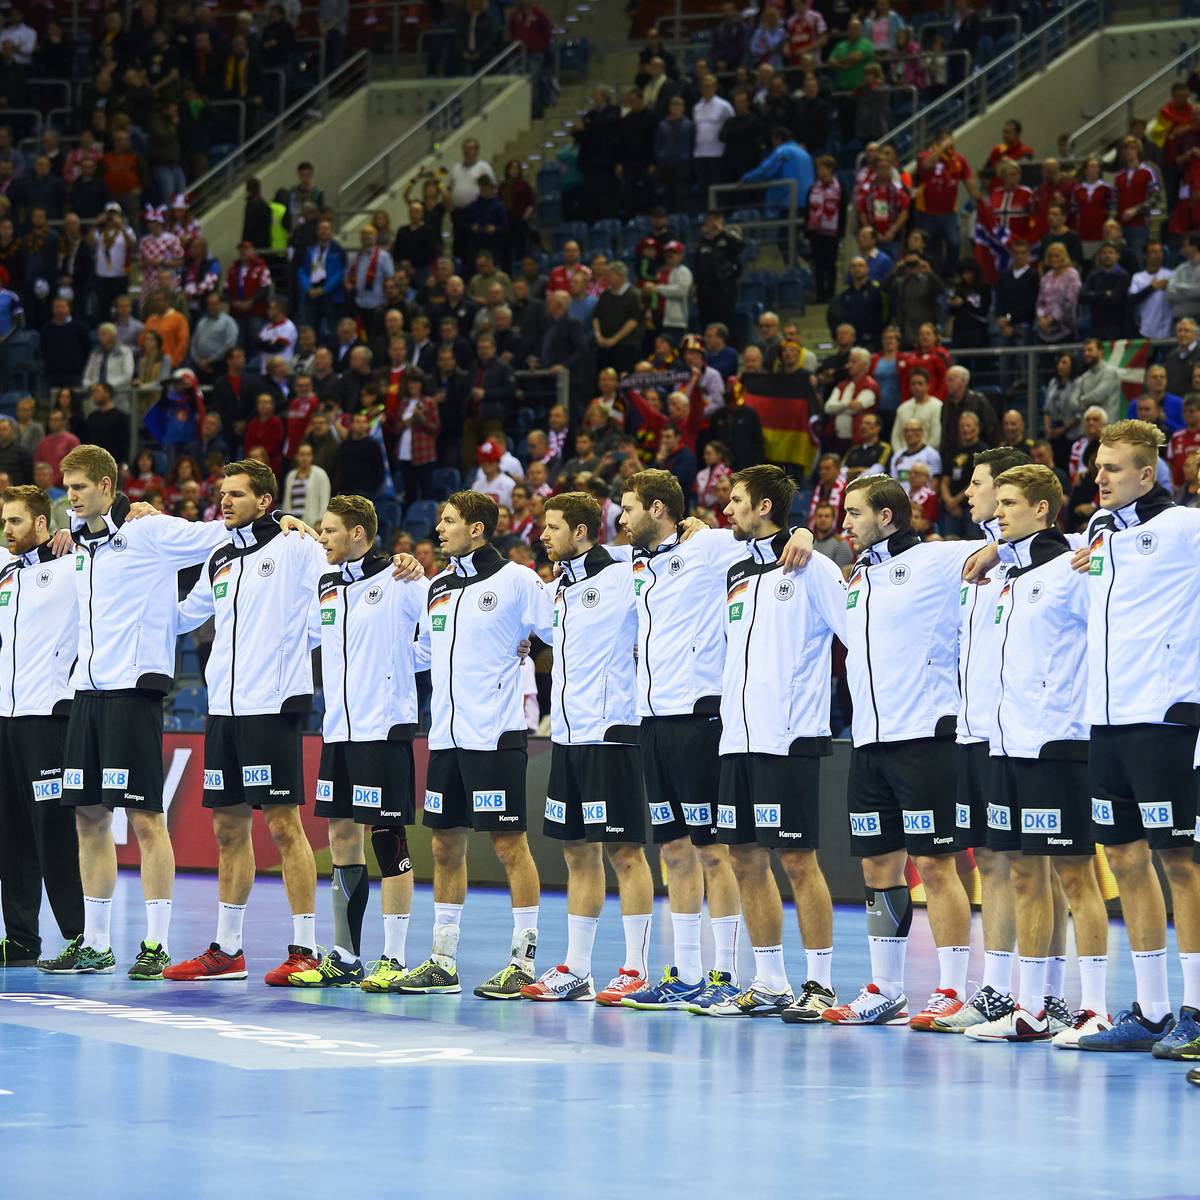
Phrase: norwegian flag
(991,243)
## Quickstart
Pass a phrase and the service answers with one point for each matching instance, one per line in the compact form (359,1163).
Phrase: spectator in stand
(718,353)
(907,67)
(234,393)
(926,508)
(885,367)
(869,455)
(1099,383)
(807,33)
(486,222)
(1167,405)
(920,406)
(788,160)
(277,338)
(1055,188)
(674,289)
(1058,296)
(1091,201)
(66,346)
(529,24)
(970,304)
(109,362)
(29,432)
(718,266)
(215,334)
(677,458)
(1148,295)
(1105,292)
(359,464)
(306,488)
(849,59)
(825,225)
(301,406)
(1137,188)
(1012,202)
(1183,292)
(940,171)
(418,242)
(248,285)
(15,461)
(777,106)
(476,38)
(960,398)
(1189,493)
(1186,441)
(829,488)
(915,293)
(857,395)
(1062,410)
(636,132)
(1126,259)
(596,134)
(658,84)
(1056,229)
(267,431)
(912,450)
(823,524)
(158,248)
(1012,432)
(153,369)
(124,172)
(321,279)
(1183,359)
(766,46)
(106,425)
(416,450)
(708,478)
(879,265)
(883,26)
(956,517)
(674,141)
(709,115)
(872,115)
(1009,146)
(516,195)
(730,45)
(813,114)
(617,319)
(883,205)
(87,195)
(365,277)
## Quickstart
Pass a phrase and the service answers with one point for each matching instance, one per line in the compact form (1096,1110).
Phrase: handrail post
(1031,397)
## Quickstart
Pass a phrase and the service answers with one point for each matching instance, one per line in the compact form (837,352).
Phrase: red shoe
(214,963)
(625,983)
(299,958)
(944,1002)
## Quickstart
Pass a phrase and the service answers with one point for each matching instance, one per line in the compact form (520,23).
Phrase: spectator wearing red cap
(675,289)
(494,482)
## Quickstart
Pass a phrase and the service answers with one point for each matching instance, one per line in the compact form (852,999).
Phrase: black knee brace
(889,912)
(391,849)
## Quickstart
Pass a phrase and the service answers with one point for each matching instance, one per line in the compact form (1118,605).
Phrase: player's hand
(141,509)
(62,543)
(290,524)
(524,649)
(406,568)
(1079,560)
(976,567)
(689,527)
(798,551)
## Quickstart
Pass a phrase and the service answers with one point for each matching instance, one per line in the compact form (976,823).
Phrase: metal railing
(407,152)
(794,76)
(539,384)
(238,107)
(216,183)
(974,94)
(786,222)
(1098,129)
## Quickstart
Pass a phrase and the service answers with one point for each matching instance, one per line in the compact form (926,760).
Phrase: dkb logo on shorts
(660,814)
(256,776)
(73,779)
(962,816)
(324,789)
(1102,812)
(726,816)
(766,816)
(864,825)
(488,801)
(47,789)
(999,816)
(114,778)
(214,781)
(1041,820)
(596,813)
(920,821)
(1157,816)
(433,802)
(556,810)
(697,814)
(367,797)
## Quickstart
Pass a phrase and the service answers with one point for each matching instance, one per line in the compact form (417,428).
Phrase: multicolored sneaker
(211,964)
(300,958)
(90,961)
(623,984)
(1058,1016)
(63,963)
(152,959)
(333,971)
(811,1005)
(13,954)
(560,983)
(1016,1025)
(670,992)
(1083,1023)
(718,988)
(944,1002)
(1130,1032)
(436,976)
(1183,1042)
(985,1005)
(755,1001)
(382,974)
(869,1007)
(506,984)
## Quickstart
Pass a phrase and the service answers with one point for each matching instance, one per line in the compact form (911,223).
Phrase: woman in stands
(1058,297)
(520,202)
(154,369)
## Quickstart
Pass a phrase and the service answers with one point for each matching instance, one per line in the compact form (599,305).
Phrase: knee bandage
(889,912)
(391,849)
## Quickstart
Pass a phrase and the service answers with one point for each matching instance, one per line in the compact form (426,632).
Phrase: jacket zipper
(746,663)
(16,615)
(91,622)
(346,660)
(1112,579)
(237,587)
(1012,603)
(967,662)
(450,672)
(649,631)
(867,644)
(563,695)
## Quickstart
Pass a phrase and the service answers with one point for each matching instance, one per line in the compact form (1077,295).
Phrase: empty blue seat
(445,481)
(390,514)
(420,518)
(607,232)
(570,231)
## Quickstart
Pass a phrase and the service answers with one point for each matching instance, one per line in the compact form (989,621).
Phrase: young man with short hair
(594,802)
(1038,754)
(774,733)
(477,613)
(257,588)
(39,633)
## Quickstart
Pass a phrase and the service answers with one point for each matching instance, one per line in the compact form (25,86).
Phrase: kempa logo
(591,598)
(367,797)
(785,589)
(374,595)
(488,601)
(214,781)
(266,567)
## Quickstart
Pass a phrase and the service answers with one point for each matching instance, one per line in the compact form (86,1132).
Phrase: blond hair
(94,462)
(1145,439)
(1036,484)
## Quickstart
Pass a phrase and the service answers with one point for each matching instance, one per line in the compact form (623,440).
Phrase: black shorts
(974,792)
(476,789)
(114,751)
(681,767)
(373,783)
(901,796)
(253,760)
(770,800)
(1143,785)
(1049,802)
(31,758)
(595,795)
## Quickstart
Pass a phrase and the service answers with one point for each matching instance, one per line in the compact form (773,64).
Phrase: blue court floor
(110,1088)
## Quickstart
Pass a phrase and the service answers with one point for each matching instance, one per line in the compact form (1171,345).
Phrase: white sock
(97,915)
(523,919)
(158,921)
(887,964)
(1056,975)
(769,969)
(1093,977)
(1150,971)
(395,935)
(637,942)
(686,927)
(1191,979)
(229,927)
(447,914)
(1031,990)
(820,966)
(997,971)
(304,931)
(725,935)
(952,969)
(581,936)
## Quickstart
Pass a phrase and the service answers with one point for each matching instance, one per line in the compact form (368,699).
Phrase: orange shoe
(213,963)
(625,983)
(300,958)
(943,1003)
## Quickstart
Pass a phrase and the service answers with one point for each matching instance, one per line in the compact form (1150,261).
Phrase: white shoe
(1086,1022)
(558,983)
(1014,1026)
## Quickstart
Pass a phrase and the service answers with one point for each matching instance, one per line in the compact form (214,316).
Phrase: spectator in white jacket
(675,292)
(109,363)
(306,488)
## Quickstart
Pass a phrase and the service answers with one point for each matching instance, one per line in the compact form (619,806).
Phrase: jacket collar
(370,564)
(670,544)
(1033,551)
(1156,500)
(768,549)
(897,544)
(991,529)
(482,562)
(246,537)
(592,562)
(39,554)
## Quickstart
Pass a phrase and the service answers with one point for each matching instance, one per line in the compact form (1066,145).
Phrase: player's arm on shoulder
(198,605)
(976,561)
(539,609)
(827,590)
(798,552)
(620,551)
(185,543)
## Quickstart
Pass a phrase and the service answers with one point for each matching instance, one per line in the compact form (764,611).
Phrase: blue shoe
(1130,1032)
(671,992)
(718,989)
(1185,1034)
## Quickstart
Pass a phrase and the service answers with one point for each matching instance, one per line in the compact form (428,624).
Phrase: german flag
(855,578)
(738,589)
(444,598)
(785,402)
(329,595)
(225,570)
(1097,542)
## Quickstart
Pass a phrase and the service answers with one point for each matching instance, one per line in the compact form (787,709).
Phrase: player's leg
(635,887)
(390,845)
(20,874)
(1062,1019)
(572,978)
(814,913)
(349,889)
(1183,878)
(769,993)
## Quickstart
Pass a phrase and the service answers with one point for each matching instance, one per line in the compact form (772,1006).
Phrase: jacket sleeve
(539,609)
(197,606)
(767,169)
(185,543)
(827,592)
(335,270)
(421,644)
(304,274)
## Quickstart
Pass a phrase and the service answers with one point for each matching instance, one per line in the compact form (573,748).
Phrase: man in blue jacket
(789,160)
(322,278)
